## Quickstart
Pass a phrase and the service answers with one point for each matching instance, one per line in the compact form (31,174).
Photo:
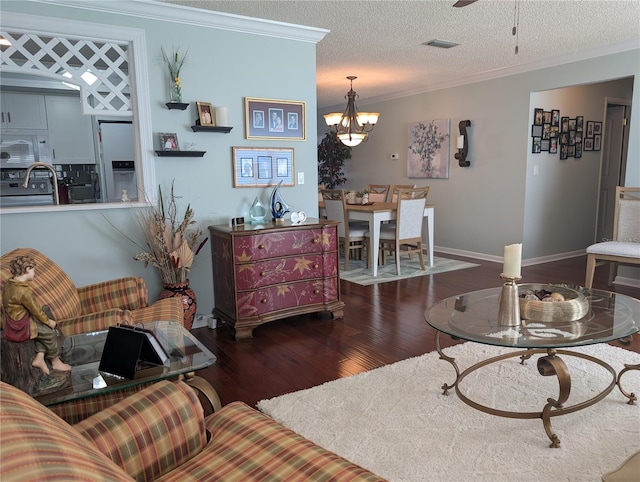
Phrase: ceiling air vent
(441,44)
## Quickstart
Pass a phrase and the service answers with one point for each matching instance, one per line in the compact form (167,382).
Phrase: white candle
(222,116)
(512,261)
(460,142)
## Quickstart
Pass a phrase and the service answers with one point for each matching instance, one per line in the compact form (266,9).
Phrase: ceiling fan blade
(464,3)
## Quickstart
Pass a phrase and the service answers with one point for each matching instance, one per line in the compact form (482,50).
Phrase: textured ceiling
(380,41)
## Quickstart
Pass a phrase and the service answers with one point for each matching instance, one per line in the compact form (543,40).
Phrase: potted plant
(331,156)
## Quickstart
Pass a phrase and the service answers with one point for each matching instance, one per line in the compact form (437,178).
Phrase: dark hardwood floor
(382,324)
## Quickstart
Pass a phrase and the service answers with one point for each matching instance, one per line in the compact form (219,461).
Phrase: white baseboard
(499,259)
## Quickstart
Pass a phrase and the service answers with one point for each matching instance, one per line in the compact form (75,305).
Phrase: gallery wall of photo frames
(564,135)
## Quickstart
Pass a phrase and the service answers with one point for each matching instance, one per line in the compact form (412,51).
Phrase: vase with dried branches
(171,244)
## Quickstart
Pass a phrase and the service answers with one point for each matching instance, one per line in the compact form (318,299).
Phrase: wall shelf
(180,153)
(222,129)
(176,105)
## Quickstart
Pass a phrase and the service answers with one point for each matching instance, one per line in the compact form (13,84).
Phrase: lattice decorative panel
(108,62)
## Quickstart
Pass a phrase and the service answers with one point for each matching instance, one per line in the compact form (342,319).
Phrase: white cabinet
(23,111)
(70,132)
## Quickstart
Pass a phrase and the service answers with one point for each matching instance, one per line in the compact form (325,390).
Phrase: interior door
(614,139)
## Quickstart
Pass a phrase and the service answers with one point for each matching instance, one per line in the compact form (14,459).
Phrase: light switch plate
(301,178)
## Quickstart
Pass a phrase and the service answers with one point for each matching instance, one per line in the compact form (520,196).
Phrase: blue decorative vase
(279,206)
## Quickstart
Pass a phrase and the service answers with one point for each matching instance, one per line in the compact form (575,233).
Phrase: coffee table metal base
(548,365)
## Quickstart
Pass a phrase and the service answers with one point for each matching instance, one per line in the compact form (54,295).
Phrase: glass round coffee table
(473,317)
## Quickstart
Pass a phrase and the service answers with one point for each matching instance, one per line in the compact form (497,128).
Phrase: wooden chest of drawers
(271,271)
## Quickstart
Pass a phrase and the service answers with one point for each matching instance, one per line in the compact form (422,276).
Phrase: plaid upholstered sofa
(160,434)
(90,308)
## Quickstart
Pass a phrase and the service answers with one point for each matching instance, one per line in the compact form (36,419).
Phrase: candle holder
(509,303)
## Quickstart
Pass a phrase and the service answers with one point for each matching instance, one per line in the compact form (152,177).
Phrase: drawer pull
(316,266)
(263,274)
(261,246)
(316,240)
(263,301)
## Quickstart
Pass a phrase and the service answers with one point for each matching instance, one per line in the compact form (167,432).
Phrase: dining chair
(392,195)
(625,246)
(407,230)
(350,235)
(378,192)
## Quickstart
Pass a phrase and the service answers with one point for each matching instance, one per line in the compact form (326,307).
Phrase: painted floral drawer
(274,245)
(285,296)
(276,271)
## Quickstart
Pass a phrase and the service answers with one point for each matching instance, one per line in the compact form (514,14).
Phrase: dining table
(377,212)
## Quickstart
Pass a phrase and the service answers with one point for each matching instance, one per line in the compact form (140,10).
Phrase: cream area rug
(409,268)
(395,421)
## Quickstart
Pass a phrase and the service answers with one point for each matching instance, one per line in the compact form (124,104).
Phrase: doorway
(613,163)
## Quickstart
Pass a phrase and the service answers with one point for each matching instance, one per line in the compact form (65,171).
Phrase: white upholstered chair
(624,248)
(350,235)
(407,230)
(392,195)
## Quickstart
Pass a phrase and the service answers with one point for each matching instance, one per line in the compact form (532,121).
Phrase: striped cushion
(37,445)
(150,433)
(249,446)
(121,293)
(75,411)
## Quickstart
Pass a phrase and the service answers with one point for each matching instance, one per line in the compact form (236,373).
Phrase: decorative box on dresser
(270,271)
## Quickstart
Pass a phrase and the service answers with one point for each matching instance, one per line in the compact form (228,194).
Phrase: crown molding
(154,10)
(619,47)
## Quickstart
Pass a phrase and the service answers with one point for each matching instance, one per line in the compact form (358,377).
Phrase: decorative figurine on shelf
(279,207)
(26,319)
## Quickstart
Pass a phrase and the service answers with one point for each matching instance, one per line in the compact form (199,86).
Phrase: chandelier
(352,126)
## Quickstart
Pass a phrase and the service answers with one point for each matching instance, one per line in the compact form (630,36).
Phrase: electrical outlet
(301,178)
(202,320)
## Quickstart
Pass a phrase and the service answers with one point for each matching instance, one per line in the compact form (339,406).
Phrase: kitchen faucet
(56,197)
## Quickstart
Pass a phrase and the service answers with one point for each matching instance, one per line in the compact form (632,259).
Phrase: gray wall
(223,68)
(496,201)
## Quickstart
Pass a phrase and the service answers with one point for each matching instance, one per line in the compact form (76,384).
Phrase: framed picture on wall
(536,145)
(588,144)
(274,119)
(538,117)
(555,118)
(564,124)
(589,129)
(597,139)
(597,128)
(553,145)
(564,151)
(262,166)
(536,131)
(579,123)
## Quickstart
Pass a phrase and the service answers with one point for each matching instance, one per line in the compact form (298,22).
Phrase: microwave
(19,148)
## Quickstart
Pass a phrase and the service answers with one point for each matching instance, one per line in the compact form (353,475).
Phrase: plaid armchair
(90,308)
(94,307)
(160,434)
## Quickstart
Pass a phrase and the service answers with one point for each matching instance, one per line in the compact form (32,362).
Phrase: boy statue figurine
(25,317)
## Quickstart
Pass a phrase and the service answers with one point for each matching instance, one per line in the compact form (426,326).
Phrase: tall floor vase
(186,295)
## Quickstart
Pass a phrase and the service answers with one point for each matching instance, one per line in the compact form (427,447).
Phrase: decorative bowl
(574,306)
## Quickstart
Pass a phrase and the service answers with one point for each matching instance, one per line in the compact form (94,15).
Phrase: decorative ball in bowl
(539,302)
